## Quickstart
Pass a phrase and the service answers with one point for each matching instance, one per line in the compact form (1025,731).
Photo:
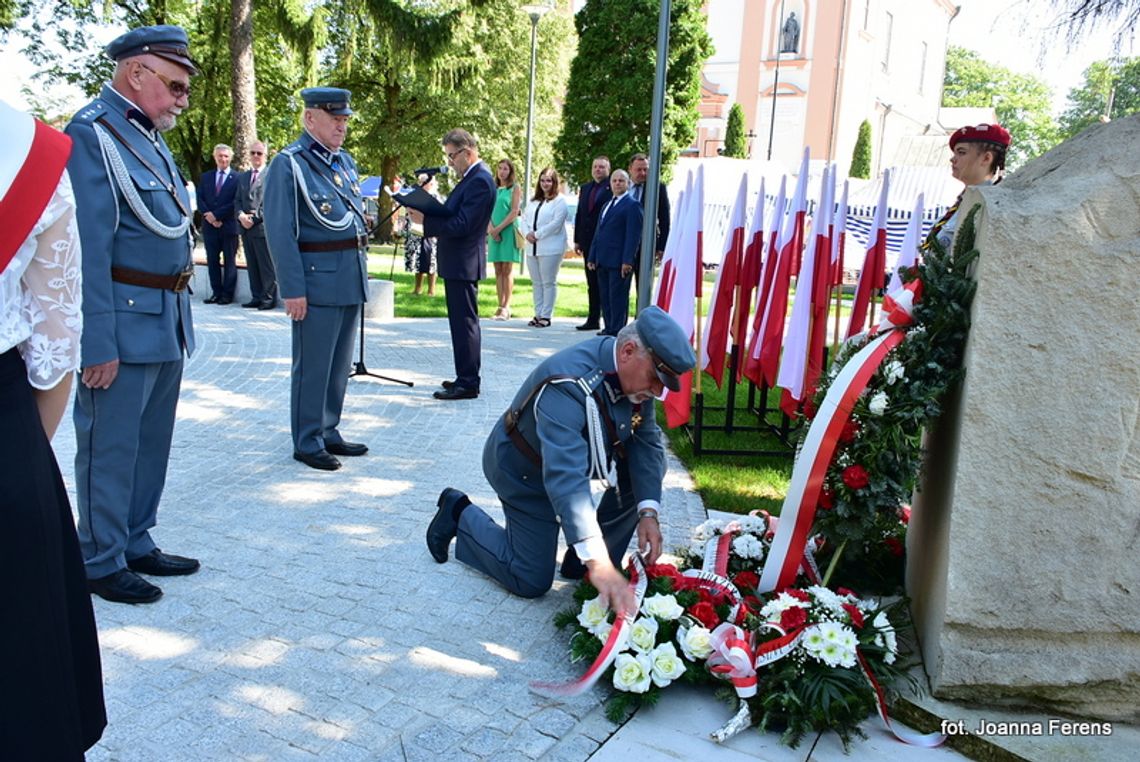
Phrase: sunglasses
(257,153)
(177,89)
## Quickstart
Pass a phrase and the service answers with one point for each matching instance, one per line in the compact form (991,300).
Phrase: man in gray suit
(317,234)
(258,263)
(584,413)
(134,224)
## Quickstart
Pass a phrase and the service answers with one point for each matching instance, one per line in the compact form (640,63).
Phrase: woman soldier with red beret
(977,158)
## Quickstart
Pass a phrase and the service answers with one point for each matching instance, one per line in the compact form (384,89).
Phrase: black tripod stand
(359,368)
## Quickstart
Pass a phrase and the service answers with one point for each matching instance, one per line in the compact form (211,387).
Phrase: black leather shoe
(456,393)
(213,299)
(447,384)
(272,304)
(441,531)
(346,448)
(225,300)
(572,567)
(124,586)
(320,459)
(586,327)
(251,304)
(161,564)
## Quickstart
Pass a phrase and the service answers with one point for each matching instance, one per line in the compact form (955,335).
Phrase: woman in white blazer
(544,226)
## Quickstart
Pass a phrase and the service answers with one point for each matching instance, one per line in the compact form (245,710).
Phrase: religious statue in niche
(790,35)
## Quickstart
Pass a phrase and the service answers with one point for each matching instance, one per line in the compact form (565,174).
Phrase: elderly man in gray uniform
(318,236)
(584,413)
(134,226)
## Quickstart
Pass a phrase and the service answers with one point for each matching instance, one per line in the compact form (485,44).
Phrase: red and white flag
(751,365)
(680,299)
(911,241)
(715,339)
(839,238)
(821,289)
(794,361)
(750,270)
(789,246)
(874,263)
(668,277)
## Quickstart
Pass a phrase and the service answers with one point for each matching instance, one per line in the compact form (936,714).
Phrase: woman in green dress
(502,249)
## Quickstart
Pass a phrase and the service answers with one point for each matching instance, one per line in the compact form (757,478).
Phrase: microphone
(430,171)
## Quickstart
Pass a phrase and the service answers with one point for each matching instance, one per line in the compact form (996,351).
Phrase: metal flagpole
(653,182)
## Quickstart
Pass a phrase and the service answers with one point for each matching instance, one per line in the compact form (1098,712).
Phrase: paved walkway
(319,625)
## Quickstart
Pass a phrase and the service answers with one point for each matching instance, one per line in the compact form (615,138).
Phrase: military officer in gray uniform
(584,413)
(318,236)
(134,226)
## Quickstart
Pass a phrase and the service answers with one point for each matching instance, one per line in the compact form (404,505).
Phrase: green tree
(1111,88)
(1022,101)
(861,156)
(735,144)
(609,97)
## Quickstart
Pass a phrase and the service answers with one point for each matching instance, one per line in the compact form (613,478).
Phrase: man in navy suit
(638,173)
(461,252)
(612,252)
(216,191)
(258,263)
(592,197)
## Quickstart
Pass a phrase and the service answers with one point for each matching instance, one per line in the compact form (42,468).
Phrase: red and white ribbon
(798,512)
(732,658)
(615,643)
(906,735)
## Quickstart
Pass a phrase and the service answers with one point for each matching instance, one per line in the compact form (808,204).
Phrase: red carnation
(845,591)
(799,595)
(704,613)
(855,614)
(792,618)
(894,545)
(710,597)
(746,580)
(662,570)
(826,499)
(856,477)
(849,432)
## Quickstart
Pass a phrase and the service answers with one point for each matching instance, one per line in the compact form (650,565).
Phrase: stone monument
(1024,543)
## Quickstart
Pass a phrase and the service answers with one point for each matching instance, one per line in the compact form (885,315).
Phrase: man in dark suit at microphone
(461,252)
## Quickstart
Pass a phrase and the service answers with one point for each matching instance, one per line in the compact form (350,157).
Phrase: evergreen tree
(609,98)
(735,144)
(861,156)
(1115,82)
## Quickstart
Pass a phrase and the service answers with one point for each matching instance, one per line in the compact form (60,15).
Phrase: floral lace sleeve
(52,295)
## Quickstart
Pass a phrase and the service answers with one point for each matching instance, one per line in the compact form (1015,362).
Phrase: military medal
(326,208)
(635,420)
(337,180)
(356,189)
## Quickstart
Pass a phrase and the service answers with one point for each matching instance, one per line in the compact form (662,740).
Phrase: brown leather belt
(512,416)
(176,283)
(360,242)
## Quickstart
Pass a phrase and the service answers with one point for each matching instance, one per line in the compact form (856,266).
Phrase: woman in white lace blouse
(51,706)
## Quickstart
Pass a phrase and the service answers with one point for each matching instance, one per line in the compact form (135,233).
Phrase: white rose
(643,634)
(663,607)
(632,673)
(667,665)
(894,371)
(878,404)
(602,631)
(593,615)
(695,642)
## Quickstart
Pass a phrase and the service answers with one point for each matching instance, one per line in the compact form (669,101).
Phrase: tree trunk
(242,81)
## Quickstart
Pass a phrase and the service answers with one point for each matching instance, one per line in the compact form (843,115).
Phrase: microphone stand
(359,368)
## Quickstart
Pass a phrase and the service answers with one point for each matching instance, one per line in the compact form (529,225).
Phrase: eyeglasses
(257,153)
(452,154)
(176,88)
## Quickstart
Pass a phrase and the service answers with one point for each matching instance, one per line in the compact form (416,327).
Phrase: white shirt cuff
(591,549)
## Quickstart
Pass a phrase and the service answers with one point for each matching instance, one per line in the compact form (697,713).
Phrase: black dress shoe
(251,304)
(441,531)
(447,384)
(225,300)
(124,586)
(456,393)
(572,567)
(319,459)
(346,448)
(213,299)
(586,327)
(161,564)
(269,305)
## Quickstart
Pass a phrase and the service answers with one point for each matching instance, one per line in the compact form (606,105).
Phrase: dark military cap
(667,345)
(331,99)
(166,41)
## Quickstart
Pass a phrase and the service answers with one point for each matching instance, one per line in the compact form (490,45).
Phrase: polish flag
(667,279)
(715,339)
(751,365)
(911,241)
(789,246)
(680,300)
(839,238)
(874,263)
(794,361)
(750,271)
(821,290)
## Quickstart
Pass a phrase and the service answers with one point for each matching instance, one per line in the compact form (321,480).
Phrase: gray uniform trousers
(322,360)
(132,421)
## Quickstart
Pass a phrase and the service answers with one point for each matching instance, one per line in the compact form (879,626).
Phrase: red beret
(981,133)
